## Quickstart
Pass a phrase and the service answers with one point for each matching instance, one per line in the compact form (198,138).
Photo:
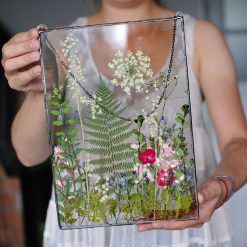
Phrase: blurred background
(24,192)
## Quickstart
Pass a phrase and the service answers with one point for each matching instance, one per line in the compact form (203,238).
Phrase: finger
(13,50)
(198,225)
(20,80)
(41,27)
(16,63)
(24,36)
(145,227)
(35,86)
(208,190)
(168,225)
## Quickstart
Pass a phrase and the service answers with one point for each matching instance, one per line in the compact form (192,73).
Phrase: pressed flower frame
(121,145)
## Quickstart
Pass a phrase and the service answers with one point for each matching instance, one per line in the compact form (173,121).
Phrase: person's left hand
(210,194)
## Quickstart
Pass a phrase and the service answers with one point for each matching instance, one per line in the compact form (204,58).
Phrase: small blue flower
(188,175)
(122,174)
(111,180)
(123,179)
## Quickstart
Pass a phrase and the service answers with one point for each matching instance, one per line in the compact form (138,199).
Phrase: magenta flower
(165,177)
(162,178)
(148,156)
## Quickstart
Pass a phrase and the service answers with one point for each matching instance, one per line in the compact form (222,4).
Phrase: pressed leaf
(67,109)
(57,123)
(60,133)
(55,112)
(71,121)
(72,132)
(54,102)
(110,134)
(185,125)
(179,119)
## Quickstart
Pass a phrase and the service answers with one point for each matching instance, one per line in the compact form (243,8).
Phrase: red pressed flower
(172,180)
(148,156)
(162,178)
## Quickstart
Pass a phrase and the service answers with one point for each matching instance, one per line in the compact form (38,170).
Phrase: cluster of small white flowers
(74,62)
(89,168)
(69,42)
(151,120)
(103,190)
(131,71)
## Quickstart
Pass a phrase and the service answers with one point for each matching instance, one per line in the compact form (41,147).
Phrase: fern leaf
(120,129)
(108,136)
(123,155)
(120,147)
(99,143)
(98,151)
(102,161)
(122,137)
(98,135)
(96,127)
(116,124)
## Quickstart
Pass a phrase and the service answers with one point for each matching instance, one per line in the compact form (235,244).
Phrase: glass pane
(238,46)
(118,113)
(235,14)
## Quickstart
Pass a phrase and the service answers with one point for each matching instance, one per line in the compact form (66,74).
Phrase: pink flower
(65,174)
(174,163)
(148,156)
(58,150)
(150,177)
(164,163)
(62,183)
(60,160)
(138,169)
(168,151)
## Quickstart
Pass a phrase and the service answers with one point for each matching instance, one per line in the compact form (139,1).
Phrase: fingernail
(41,27)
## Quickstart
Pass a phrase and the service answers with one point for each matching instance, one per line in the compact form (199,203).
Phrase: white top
(212,234)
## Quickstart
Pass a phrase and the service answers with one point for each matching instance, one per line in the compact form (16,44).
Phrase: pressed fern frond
(108,136)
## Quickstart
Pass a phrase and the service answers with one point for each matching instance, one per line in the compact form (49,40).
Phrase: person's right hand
(21,61)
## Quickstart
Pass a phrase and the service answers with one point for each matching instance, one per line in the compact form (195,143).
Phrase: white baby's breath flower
(131,71)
